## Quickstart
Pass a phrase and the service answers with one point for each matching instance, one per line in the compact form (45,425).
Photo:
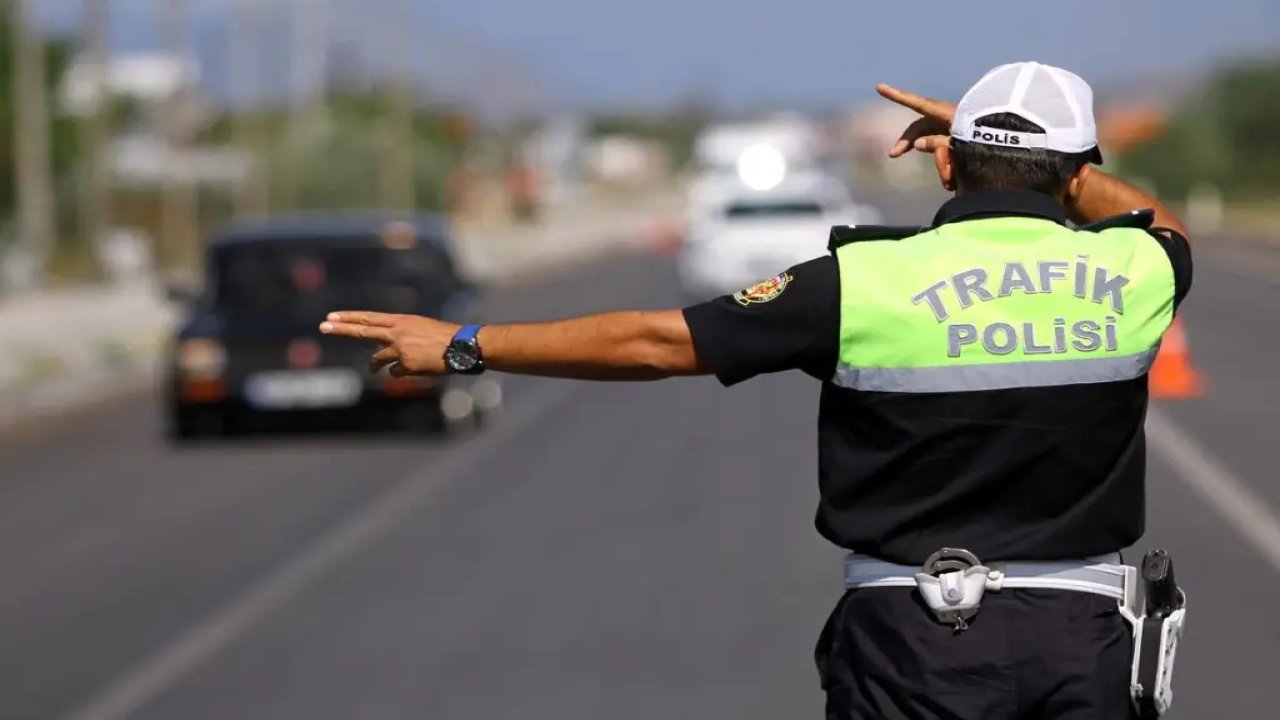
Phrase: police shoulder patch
(763,292)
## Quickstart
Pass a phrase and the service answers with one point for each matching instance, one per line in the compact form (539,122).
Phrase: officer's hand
(927,133)
(411,344)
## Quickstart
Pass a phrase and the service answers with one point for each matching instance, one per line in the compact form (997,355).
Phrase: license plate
(303,389)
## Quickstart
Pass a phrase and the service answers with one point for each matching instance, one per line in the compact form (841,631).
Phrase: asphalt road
(605,551)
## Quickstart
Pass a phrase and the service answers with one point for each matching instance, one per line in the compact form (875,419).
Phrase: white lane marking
(134,688)
(1243,508)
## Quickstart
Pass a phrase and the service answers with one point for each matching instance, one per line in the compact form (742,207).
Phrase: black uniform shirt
(1022,473)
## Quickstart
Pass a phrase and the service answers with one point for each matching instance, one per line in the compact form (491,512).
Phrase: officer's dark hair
(994,167)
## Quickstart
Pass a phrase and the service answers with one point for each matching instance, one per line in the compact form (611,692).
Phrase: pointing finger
(375,319)
(921,127)
(359,332)
(921,104)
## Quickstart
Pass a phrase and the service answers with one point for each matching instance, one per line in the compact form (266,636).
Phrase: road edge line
(137,686)
(1242,507)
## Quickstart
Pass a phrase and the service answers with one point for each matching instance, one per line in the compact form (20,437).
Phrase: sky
(821,53)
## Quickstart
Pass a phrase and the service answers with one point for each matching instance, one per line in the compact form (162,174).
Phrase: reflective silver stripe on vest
(997,376)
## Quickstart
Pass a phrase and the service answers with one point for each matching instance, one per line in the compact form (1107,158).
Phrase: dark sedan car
(248,352)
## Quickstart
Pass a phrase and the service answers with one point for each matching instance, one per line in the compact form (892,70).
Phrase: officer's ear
(946,171)
(1075,186)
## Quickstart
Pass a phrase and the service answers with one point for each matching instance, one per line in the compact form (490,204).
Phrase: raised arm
(611,346)
(1095,195)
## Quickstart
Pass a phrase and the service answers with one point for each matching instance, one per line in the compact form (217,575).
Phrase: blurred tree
(63,128)
(457,127)
(1249,106)
(94,196)
(333,158)
(1222,135)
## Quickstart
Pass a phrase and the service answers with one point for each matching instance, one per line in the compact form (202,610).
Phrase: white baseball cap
(1057,100)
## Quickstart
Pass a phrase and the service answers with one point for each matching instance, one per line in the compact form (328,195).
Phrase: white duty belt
(952,581)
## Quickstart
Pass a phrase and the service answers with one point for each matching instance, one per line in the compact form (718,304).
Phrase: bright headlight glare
(201,358)
(762,167)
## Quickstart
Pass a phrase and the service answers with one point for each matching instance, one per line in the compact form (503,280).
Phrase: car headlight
(201,358)
(762,167)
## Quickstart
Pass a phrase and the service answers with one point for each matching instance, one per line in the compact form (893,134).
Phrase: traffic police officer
(981,448)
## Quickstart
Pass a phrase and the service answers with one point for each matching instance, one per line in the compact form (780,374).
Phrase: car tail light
(201,359)
(204,390)
(303,354)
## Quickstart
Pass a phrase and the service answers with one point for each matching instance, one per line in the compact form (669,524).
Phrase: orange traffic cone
(1172,376)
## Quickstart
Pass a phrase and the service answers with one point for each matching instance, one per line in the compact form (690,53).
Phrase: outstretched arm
(611,346)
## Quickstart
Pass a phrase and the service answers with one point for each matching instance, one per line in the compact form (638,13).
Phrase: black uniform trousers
(1027,654)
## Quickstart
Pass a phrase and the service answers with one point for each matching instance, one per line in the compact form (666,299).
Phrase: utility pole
(36,220)
(397,186)
(94,176)
(310,23)
(180,223)
(247,119)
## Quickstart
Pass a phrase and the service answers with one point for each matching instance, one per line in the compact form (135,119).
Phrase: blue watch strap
(467,332)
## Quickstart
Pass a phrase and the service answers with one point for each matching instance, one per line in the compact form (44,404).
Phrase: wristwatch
(463,355)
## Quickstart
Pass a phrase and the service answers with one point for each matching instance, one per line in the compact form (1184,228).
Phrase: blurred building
(146,78)
(557,153)
(1122,127)
(866,133)
(629,160)
(145,93)
(1136,109)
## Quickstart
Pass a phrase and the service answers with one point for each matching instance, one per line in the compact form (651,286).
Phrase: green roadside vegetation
(1223,136)
(332,157)
(329,157)
(62,130)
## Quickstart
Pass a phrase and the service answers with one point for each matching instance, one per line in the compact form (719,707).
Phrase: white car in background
(744,230)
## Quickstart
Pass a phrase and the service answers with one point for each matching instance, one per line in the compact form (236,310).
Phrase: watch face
(462,356)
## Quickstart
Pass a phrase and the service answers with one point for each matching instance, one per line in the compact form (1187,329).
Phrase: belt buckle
(951,587)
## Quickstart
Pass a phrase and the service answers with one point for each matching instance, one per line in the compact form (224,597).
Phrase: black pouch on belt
(1156,636)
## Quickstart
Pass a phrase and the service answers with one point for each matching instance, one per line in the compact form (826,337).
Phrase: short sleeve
(788,322)
(1178,249)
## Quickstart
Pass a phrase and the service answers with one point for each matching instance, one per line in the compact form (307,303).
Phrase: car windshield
(299,281)
(764,210)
